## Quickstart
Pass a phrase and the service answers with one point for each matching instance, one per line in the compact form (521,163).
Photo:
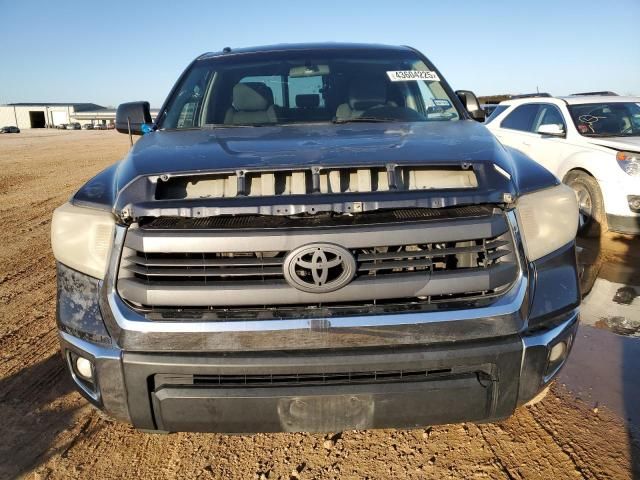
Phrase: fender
(591,161)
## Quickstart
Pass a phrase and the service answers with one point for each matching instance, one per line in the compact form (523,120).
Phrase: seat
(252,103)
(308,100)
(364,93)
(308,108)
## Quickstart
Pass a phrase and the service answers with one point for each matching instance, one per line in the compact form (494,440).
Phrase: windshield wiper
(363,120)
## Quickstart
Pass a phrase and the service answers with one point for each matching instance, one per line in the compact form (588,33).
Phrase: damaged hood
(164,154)
(617,143)
(212,149)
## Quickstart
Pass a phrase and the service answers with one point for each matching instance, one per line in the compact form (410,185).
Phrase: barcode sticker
(412,75)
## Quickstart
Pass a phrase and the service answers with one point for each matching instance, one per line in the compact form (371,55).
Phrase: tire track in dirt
(595,451)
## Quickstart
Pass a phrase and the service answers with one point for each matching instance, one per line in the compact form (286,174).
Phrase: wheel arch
(576,169)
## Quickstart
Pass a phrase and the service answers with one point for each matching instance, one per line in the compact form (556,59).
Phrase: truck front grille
(212,268)
(238,267)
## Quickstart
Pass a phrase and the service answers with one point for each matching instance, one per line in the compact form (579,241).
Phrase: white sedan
(590,142)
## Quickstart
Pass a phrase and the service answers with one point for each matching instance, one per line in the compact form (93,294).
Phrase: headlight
(81,238)
(629,162)
(548,220)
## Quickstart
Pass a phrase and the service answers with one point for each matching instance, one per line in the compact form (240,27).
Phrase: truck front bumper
(322,391)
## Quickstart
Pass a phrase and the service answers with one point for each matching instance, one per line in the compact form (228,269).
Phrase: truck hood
(617,143)
(162,154)
(213,149)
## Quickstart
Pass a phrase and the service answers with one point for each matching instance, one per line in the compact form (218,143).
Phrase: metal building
(48,115)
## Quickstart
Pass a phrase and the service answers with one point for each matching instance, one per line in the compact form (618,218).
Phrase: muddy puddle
(610,290)
(604,366)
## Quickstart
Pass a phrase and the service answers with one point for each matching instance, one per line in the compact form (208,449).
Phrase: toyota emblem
(319,267)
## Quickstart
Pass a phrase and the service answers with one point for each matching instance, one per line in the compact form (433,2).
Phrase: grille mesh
(163,268)
(238,267)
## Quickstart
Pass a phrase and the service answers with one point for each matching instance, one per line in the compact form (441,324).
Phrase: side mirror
(471,103)
(133,115)
(551,129)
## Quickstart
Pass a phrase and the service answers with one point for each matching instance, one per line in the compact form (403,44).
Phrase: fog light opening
(557,356)
(84,368)
(83,372)
(557,352)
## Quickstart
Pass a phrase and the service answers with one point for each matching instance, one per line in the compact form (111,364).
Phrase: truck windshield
(611,119)
(281,88)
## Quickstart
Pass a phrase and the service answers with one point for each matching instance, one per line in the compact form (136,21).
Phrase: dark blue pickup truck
(315,237)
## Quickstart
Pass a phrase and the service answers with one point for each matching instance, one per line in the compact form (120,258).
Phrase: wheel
(592,221)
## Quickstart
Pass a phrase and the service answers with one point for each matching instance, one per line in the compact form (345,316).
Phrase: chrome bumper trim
(110,392)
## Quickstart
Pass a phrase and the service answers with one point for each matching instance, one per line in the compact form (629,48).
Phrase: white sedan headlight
(81,238)
(629,162)
(548,220)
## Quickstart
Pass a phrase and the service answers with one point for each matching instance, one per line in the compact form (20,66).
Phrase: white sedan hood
(618,143)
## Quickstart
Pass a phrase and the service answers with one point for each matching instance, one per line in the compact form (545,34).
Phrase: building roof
(78,107)
(106,112)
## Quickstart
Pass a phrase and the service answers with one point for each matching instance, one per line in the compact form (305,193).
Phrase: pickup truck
(315,237)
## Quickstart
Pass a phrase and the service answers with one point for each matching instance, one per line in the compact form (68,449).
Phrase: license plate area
(328,408)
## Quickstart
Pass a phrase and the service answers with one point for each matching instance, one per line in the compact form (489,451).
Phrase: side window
(496,111)
(549,115)
(187,104)
(521,118)
(305,86)
(187,117)
(273,82)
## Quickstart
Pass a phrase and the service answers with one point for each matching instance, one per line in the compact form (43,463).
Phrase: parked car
(489,108)
(99,126)
(73,126)
(9,129)
(311,247)
(592,143)
(87,126)
(61,126)
(110,126)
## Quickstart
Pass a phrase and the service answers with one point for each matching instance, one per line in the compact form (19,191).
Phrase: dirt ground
(48,431)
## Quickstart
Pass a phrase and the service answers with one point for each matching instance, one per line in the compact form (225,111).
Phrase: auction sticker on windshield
(442,102)
(408,75)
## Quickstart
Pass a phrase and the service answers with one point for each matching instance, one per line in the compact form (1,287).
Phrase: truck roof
(320,46)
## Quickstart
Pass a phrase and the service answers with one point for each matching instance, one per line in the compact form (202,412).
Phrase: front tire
(593,219)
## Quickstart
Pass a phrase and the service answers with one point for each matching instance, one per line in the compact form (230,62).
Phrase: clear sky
(111,51)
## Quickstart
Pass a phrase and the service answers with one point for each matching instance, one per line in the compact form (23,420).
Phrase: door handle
(526,144)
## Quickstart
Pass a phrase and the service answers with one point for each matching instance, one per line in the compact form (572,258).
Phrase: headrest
(367,92)
(252,96)
(311,100)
